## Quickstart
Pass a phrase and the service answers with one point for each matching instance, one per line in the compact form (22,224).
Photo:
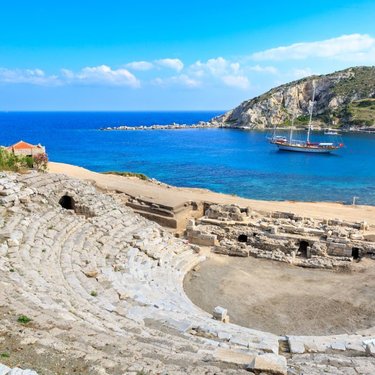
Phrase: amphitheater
(103,288)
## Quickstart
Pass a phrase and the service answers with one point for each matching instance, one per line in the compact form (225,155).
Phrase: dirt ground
(17,351)
(283,299)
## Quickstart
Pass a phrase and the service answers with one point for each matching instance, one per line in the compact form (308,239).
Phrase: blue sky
(164,55)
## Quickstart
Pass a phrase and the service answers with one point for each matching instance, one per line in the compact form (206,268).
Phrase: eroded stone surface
(104,285)
(281,236)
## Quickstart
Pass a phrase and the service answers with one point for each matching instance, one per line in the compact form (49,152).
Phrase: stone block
(338,345)
(269,363)
(296,346)
(4,369)
(220,313)
(370,349)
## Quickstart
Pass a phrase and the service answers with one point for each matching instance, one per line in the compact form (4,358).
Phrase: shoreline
(217,125)
(171,196)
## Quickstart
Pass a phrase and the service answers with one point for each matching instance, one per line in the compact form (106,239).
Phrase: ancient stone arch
(355,253)
(67,202)
(302,249)
(242,238)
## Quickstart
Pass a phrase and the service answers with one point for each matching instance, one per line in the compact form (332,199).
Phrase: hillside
(343,99)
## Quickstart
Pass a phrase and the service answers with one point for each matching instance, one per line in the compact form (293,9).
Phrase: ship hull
(314,150)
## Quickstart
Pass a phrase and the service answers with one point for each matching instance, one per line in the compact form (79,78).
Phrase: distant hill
(343,99)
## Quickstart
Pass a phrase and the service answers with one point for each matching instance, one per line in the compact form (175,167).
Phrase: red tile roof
(21,145)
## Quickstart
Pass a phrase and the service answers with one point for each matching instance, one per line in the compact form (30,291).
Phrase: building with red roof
(26,149)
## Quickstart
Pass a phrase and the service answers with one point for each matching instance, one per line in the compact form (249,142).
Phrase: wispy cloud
(140,65)
(230,73)
(103,75)
(28,76)
(174,64)
(241,73)
(262,69)
(343,47)
(180,80)
(240,82)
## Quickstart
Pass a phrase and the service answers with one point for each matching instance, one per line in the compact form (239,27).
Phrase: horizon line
(112,110)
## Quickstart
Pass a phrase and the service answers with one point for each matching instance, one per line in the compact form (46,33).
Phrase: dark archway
(67,202)
(355,253)
(242,238)
(302,250)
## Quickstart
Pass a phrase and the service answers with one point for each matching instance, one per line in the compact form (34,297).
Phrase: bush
(41,162)
(128,174)
(11,162)
(29,161)
(15,163)
(23,319)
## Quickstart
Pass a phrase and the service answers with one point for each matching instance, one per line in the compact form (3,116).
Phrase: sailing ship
(290,144)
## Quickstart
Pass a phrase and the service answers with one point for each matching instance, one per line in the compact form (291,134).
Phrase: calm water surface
(224,160)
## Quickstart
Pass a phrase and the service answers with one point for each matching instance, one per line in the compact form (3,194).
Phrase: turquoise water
(225,160)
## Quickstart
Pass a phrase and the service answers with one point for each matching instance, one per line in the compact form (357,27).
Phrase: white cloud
(175,64)
(180,80)
(216,67)
(103,75)
(227,72)
(262,69)
(29,76)
(342,48)
(140,65)
(237,81)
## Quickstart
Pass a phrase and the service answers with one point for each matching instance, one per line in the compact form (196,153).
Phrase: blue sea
(229,161)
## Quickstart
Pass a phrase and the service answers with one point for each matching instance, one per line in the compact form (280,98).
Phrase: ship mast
(311,112)
(292,126)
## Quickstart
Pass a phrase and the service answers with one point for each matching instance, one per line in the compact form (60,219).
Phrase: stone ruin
(104,286)
(282,236)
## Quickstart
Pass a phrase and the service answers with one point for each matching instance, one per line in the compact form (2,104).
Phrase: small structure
(22,148)
(221,314)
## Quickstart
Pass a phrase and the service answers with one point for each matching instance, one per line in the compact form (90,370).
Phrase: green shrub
(128,174)
(15,163)
(29,161)
(23,319)
(11,162)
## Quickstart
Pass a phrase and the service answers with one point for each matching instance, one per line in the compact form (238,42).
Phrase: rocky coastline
(174,126)
(216,125)
(344,100)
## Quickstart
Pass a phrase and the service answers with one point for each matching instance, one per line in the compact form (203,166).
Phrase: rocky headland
(344,99)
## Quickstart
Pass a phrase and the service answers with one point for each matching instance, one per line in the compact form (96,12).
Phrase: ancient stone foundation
(282,236)
(103,286)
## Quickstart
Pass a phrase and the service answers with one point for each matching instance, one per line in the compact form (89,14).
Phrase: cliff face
(343,99)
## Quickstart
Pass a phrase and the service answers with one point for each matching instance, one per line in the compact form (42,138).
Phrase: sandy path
(173,196)
(283,299)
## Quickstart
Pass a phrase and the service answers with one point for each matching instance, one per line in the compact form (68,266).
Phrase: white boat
(331,132)
(291,144)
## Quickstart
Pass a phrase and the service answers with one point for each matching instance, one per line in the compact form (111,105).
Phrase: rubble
(281,236)
(105,285)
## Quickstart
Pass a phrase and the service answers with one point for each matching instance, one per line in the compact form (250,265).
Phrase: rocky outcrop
(343,98)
